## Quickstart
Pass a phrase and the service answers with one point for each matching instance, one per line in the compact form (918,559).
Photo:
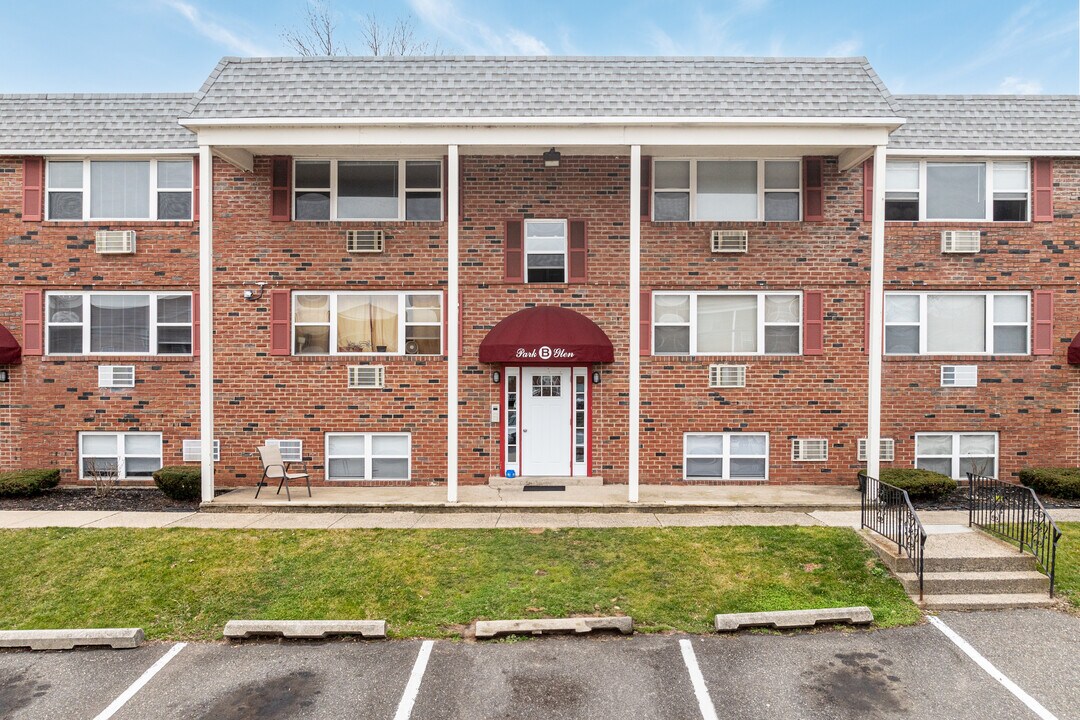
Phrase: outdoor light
(496,376)
(596,377)
(3,376)
(552,157)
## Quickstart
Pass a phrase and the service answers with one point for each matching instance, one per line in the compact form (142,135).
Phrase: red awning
(1074,350)
(546,335)
(10,352)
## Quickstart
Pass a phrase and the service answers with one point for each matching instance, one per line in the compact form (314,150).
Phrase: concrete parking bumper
(304,629)
(792,619)
(117,638)
(576,626)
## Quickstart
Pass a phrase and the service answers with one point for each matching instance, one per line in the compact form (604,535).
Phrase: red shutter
(195,324)
(866,322)
(813,323)
(868,194)
(646,186)
(461,323)
(195,188)
(579,252)
(33,188)
(1043,337)
(1043,185)
(280,187)
(445,187)
(813,189)
(32,323)
(280,340)
(513,252)
(461,190)
(645,324)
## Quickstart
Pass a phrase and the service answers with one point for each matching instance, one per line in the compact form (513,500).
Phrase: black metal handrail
(1015,512)
(887,510)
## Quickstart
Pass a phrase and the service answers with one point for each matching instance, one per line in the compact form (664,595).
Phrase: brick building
(446,270)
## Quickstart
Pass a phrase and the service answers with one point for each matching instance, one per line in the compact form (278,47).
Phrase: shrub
(1061,483)
(27,483)
(920,484)
(179,482)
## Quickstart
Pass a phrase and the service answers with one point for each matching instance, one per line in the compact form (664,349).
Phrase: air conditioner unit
(959,376)
(730,241)
(886,453)
(114,242)
(366,376)
(960,241)
(364,241)
(810,450)
(291,450)
(727,376)
(193,450)
(116,376)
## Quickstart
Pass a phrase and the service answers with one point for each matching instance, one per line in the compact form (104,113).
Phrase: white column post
(206,320)
(877,317)
(452,311)
(635,322)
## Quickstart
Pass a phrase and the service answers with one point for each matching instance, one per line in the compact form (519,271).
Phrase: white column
(206,319)
(635,321)
(452,311)
(877,317)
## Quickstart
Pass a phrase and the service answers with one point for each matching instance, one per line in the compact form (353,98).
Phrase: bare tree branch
(317,36)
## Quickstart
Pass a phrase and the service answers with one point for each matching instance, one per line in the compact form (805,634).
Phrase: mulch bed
(958,500)
(119,499)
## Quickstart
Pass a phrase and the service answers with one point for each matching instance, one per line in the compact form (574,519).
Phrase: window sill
(117,359)
(697,359)
(350,224)
(954,359)
(105,224)
(972,224)
(361,359)
(737,224)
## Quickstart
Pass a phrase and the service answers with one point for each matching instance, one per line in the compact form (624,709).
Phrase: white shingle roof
(94,122)
(1020,123)
(463,87)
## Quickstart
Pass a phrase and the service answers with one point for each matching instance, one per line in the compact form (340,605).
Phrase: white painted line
(990,670)
(708,712)
(412,689)
(138,684)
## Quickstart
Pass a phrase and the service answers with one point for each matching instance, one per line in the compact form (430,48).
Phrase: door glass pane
(781,174)
(727,323)
(747,469)
(956,323)
(346,445)
(955,190)
(390,445)
(933,445)
(727,190)
(367,189)
(704,467)
(367,323)
(747,445)
(119,189)
(99,445)
(704,444)
(119,323)
(389,469)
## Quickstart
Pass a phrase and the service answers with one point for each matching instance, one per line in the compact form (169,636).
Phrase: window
(545,251)
(727,323)
(132,455)
(937,190)
(119,189)
(727,190)
(725,456)
(352,323)
(956,454)
(368,456)
(368,190)
(956,323)
(118,323)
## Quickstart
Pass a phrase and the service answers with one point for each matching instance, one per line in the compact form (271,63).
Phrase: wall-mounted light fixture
(496,376)
(596,377)
(552,158)
(251,294)
(3,376)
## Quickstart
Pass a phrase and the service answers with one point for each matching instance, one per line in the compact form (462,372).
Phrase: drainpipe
(452,311)
(206,319)
(877,318)
(635,322)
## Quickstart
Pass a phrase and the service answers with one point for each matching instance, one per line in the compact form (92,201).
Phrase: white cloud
(215,31)
(1018,86)
(473,36)
(845,48)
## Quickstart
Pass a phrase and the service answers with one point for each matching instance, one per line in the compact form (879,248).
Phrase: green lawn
(185,584)
(1068,563)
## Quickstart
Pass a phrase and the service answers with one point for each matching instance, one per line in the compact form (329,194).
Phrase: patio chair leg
(287,495)
(308,486)
(279,486)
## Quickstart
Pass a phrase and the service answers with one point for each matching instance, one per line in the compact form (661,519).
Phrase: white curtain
(119,189)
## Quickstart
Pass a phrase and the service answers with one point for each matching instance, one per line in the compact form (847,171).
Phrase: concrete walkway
(13,519)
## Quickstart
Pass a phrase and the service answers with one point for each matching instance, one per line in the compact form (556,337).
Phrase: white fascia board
(892,122)
(81,153)
(908,152)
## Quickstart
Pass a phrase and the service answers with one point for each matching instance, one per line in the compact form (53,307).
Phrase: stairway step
(956,552)
(987,601)
(979,582)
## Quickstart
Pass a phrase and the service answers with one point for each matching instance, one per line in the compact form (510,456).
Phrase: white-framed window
(118,323)
(192,450)
(545,251)
(368,456)
(367,190)
(726,456)
(958,453)
(958,190)
(125,455)
(154,189)
(367,323)
(737,190)
(957,323)
(727,323)
(292,450)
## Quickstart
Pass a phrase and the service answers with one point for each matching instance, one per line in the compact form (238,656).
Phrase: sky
(916,46)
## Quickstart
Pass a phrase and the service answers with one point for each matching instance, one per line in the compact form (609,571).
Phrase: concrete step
(956,552)
(991,601)
(978,582)
(498,481)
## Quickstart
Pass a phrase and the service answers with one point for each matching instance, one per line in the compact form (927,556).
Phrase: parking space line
(990,670)
(708,711)
(412,689)
(138,684)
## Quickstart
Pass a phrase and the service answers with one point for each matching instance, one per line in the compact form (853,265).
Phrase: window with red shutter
(280,310)
(645,324)
(813,189)
(578,251)
(33,312)
(1043,185)
(646,186)
(868,195)
(280,188)
(1043,337)
(33,188)
(513,252)
(813,323)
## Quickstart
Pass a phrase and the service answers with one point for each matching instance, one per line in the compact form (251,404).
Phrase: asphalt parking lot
(914,672)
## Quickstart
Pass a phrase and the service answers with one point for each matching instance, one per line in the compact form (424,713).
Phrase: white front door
(546,422)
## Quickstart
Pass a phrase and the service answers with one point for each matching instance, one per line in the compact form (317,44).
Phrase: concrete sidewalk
(14,519)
